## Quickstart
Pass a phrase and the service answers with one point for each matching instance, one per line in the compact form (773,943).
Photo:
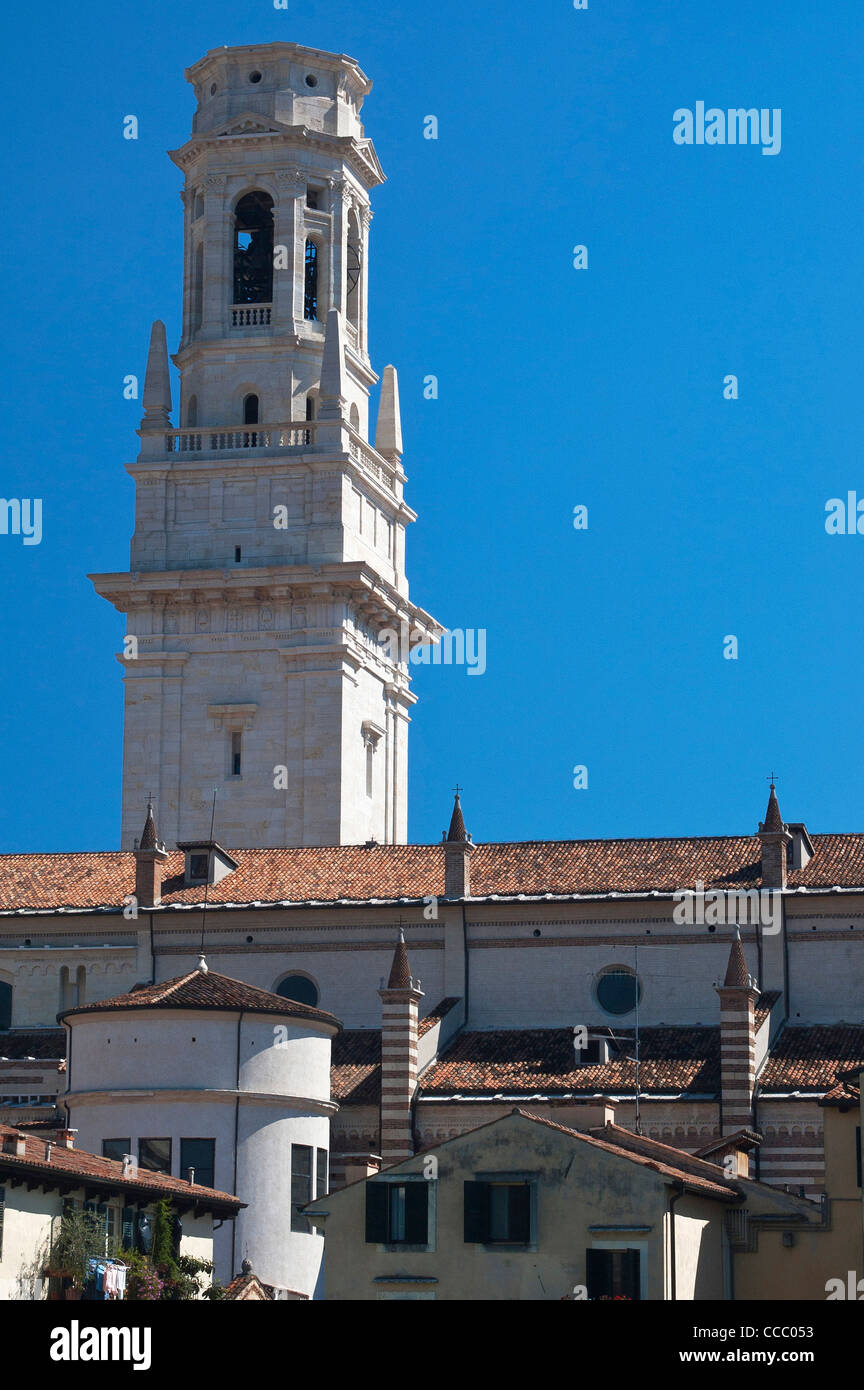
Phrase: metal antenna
(207,882)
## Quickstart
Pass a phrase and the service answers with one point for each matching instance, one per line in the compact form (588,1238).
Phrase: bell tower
(267,570)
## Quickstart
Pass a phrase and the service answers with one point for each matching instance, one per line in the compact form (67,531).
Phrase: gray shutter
(416,1213)
(476,1198)
(376,1213)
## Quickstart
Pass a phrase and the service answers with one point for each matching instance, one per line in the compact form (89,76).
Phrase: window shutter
(127,1228)
(520,1214)
(598,1267)
(416,1213)
(376,1213)
(476,1198)
(630,1274)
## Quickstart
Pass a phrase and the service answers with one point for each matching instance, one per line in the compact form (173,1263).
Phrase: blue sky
(556,387)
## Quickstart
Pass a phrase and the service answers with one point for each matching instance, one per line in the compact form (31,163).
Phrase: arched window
(5,1005)
(617,989)
(250,410)
(354,417)
(253,249)
(299,988)
(310,298)
(353,270)
(192,412)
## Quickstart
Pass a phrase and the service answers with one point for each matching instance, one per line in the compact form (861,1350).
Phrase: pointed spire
(400,970)
(157,382)
(457,831)
(331,393)
(773,820)
(149,838)
(737,974)
(388,431)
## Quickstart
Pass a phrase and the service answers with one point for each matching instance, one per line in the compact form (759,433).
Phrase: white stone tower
(267,565)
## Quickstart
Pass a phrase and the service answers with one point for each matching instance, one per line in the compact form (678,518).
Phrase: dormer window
(206,862)
(199,868)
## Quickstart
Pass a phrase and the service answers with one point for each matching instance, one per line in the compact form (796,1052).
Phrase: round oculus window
(616,991)
(255,76)
(311,80)
(299,989)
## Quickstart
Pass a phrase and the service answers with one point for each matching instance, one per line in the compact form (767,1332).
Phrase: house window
(250,409)
(320,1172)
(199,867)
(613,1273)
(301,1185)
(311,197)
(155,1155)
(236,753)
(199,1154)
(397,1213)
(310,296)
(498,1213)
(298,988)
(116,1148)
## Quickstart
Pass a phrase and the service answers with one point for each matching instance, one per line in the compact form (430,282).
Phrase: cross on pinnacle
(771,778)
(457,789)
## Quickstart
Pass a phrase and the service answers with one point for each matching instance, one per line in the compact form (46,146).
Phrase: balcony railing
(251,315)
(298,435)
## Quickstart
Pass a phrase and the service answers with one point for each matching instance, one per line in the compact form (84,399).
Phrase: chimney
(738,995)
(399,1030)
(128,1170)
(66,1138)
(775,839)
(458,848)
(150,857)
(16,1144)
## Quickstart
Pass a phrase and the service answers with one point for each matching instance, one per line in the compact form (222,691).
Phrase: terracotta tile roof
(355,1069)
(808,1058)
(844,1093)
(246,1286)
(42,1043)
(77,1167)
(200,990)
(354,873)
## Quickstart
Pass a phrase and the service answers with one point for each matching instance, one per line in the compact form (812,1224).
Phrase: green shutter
(376,1213)
(416,1213)
(520,1214)
(598,1268)
(476,1199)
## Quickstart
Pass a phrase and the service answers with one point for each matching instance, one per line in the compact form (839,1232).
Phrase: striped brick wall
(398,1071)
(737,1056)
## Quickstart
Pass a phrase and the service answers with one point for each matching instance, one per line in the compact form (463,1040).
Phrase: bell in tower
(267,570)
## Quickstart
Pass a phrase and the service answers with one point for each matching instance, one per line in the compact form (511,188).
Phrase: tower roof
(773,820)
(737,974)
(400,970)
(205,990)
(457,831)
(149,838)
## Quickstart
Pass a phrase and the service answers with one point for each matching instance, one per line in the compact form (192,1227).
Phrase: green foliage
(82,1237)
(161,1275)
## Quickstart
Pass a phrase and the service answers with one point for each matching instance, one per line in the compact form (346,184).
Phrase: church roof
(205,990)
(541,869)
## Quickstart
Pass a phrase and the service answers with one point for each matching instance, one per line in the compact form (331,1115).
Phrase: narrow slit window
(238,554)
(310,303)
(236,753)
